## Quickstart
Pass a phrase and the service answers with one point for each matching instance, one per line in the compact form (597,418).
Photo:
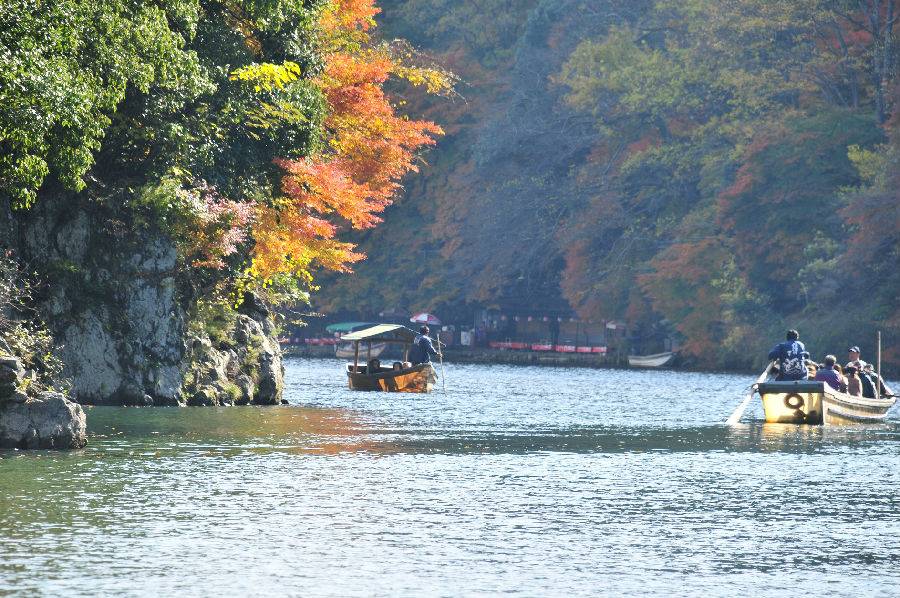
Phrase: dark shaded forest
(716,170)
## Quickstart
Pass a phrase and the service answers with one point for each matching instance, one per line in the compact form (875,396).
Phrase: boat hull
(420,378)
(807,402)
(651,361)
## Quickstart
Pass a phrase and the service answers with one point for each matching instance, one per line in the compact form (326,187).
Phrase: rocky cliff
(118,305)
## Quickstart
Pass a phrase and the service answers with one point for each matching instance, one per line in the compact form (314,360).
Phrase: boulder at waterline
(49,421)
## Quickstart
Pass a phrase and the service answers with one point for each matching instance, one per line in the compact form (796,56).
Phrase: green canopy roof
(347,326)
(383,333)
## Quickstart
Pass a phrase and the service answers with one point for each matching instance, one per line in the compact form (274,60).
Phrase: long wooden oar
(441,359)
(736,416)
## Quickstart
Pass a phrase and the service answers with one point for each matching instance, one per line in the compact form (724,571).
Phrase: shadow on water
(313,430)
(487,410)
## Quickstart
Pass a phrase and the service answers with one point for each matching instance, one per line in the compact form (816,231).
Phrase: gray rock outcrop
(244,368)
(49,421)
(118,304)
(11,374)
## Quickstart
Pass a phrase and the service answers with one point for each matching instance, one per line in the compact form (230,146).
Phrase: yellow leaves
(434,80)
(870,164)
(268,76)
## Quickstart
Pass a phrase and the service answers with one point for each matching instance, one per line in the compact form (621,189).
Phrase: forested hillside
(722,170)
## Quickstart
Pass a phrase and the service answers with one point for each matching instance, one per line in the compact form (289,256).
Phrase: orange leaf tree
(367,150)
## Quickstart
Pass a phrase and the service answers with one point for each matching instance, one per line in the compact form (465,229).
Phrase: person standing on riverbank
(791,356)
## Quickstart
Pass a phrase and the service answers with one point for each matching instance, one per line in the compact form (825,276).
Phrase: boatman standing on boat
(422,349)
(791,356)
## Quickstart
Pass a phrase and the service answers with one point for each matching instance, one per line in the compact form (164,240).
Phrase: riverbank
(487,356)
(472,355)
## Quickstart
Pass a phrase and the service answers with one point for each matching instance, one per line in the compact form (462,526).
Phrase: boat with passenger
(814,402)
(402,376)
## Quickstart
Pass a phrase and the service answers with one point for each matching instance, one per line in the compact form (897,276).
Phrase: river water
(518,480)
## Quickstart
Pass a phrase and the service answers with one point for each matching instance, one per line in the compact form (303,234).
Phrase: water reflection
(228,430)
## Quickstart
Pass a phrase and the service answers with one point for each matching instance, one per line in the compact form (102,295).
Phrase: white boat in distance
(656,360)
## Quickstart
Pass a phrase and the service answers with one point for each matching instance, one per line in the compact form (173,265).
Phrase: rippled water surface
(518,480)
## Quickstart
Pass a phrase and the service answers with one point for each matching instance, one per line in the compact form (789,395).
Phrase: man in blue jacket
(791,356)
(422,349)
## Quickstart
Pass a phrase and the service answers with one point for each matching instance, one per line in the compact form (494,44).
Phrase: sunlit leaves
(368,150)
(268,76)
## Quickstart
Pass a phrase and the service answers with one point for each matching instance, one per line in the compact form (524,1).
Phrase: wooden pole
(878,364)
(441,359)
(736,416)
(355,356)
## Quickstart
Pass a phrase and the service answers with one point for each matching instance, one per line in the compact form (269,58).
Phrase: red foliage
(680,285)
(370,148)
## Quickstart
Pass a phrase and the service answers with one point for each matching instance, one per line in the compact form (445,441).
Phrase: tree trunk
(887,69)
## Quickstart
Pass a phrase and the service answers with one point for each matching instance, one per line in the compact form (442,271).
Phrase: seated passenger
(811,368)
(374,366)
(840,371)
(397,366)
(791,357)
(869,370)
(829,375)
(854,387)
(867,382)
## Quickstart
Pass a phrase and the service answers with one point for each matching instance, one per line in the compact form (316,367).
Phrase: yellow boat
(372,376)
(811,402)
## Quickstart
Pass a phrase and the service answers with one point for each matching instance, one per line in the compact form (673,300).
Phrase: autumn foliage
(368,149)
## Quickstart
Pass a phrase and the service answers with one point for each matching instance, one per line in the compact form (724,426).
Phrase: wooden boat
(418,378)
(372,376)
(813,402)
(810,402)
(657,360)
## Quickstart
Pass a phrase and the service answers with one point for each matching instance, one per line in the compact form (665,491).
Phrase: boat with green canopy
(401,376)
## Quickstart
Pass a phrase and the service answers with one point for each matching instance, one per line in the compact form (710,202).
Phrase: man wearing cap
(872,384)
(855,361)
